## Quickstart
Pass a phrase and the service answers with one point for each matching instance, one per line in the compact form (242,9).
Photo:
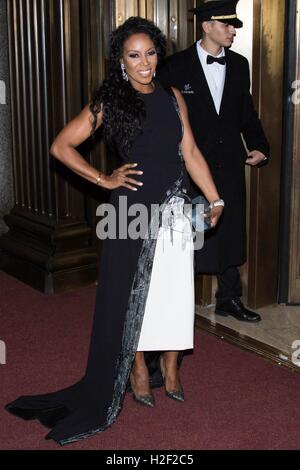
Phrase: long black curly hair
(123,109)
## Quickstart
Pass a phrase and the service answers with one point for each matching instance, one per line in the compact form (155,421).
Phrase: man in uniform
(215,82)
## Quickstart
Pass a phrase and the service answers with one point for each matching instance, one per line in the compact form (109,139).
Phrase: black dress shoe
(236,309)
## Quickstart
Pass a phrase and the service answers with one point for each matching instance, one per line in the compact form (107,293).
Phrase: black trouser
(229,284)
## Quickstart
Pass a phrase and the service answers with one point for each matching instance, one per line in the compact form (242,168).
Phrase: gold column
(268,59)
(124,9)
(171,16)
(48,244)
(294,271)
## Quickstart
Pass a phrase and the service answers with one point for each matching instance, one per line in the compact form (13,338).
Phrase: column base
(51,259)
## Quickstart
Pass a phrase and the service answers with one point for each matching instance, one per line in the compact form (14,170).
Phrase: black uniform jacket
(218,136)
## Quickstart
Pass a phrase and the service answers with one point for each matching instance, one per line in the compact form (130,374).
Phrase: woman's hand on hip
(120,177)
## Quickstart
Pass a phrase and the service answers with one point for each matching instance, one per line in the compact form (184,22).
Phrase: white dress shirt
(215,75)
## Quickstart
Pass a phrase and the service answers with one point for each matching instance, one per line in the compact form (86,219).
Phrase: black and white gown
(145,292)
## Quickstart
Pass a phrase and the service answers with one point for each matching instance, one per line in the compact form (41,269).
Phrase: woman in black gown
(151,130)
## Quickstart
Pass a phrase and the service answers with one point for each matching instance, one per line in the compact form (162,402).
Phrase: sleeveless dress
(145,291)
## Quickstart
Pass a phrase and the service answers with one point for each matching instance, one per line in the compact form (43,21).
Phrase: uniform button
(220,141)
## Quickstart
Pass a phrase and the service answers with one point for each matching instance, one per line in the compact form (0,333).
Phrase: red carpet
(234,399)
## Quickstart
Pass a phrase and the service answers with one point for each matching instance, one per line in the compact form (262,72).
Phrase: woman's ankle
(171,372)
(139,379)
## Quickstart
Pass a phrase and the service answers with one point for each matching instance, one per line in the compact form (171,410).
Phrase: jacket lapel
(225,103)
(200,83)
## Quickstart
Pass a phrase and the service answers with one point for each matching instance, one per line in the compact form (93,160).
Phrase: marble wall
(6,180)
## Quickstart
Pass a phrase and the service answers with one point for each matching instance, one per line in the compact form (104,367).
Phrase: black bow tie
(221,60)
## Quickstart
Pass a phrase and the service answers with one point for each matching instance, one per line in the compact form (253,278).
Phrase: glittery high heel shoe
(177,395)
(146,400)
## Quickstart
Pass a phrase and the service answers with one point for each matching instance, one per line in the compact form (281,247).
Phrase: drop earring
(124,74)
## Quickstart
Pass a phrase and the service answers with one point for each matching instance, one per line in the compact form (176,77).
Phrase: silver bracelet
(216,203)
